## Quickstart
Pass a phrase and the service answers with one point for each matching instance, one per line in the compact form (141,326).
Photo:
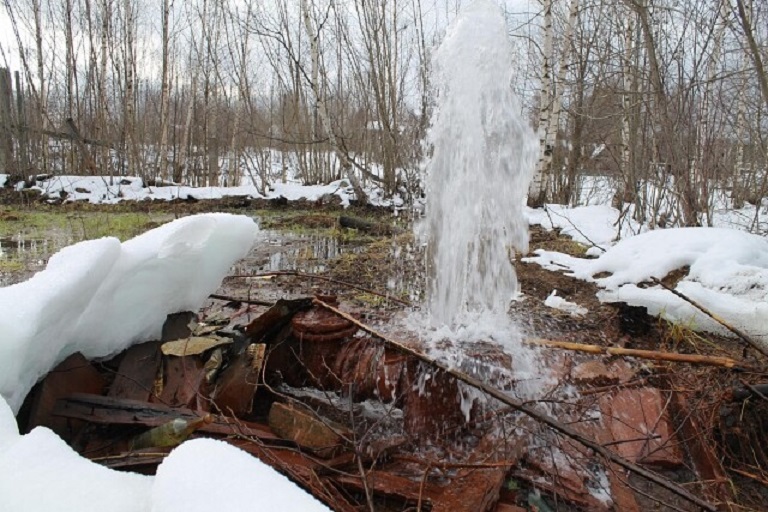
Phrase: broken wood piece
(115,411)
(73,375)
(192,346)
(322,437)
(532,413)
(137,372)
(724,362)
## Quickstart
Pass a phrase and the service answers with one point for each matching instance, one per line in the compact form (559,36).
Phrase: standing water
(483,157)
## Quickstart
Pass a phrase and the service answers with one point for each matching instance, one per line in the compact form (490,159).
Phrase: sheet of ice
(203,475)
(728,274)
(40,473)
(100,296)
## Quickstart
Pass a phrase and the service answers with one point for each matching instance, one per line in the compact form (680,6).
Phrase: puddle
(277,251)
(22,257)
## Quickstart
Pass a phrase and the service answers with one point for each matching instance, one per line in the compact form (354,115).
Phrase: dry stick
(294,273)
(521,407)
(754,390)
(255,302)
(725,362)
(754,344)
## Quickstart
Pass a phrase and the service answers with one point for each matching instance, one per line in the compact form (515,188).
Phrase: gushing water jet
(483,154)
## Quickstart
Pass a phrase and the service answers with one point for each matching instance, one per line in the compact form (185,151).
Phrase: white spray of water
(482,160)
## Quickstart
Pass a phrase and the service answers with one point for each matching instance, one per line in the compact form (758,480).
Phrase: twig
(363,474)
(527,410)
(754,390)
(423,484)
(725,362)
(441,465)
(255,302)
(750,476)
(714,317)
(575,228)
(295,273)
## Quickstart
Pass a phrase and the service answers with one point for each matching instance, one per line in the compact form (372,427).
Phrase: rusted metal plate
(319,321)
(136,375)
(302,469)
(184,377)
(273,320)
(321,436)
(408,491)
(236,387)
(432,408)
(705,460)
(176,326)
(192,346)
(639,422)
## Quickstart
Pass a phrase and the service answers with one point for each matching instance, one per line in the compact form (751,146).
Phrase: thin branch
(329,280)
(716,318)
(725,362)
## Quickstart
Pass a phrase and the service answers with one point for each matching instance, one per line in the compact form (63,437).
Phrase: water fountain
(483,153)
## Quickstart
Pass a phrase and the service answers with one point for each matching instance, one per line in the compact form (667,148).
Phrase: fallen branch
(294,273)
(754,344)
(725,362)
(255,302)
(528,411)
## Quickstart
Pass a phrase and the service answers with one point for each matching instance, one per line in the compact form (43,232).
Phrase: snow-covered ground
(728,268)
(98,297)
(106,190)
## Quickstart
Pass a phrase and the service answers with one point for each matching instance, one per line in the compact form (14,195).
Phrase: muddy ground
(306,252)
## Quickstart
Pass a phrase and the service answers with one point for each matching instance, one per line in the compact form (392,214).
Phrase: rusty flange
(319,324)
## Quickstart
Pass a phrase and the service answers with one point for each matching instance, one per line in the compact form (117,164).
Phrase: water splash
(483,157)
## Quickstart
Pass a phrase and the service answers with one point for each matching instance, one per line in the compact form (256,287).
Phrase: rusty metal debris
(360,420)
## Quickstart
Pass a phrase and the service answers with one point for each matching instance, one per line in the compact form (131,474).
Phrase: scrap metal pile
(367,423)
